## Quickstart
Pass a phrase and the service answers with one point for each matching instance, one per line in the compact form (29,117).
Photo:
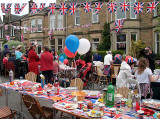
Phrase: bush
(12,43)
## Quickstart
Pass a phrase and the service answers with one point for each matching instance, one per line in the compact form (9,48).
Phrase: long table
(12,98)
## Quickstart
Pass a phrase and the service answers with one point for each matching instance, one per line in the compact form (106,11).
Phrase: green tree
(106,42)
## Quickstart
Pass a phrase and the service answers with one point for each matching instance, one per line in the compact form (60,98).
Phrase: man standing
(46,65)
(107,63)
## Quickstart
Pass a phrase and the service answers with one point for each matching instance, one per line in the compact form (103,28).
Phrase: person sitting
(125,72)
(144,77)
(117,59)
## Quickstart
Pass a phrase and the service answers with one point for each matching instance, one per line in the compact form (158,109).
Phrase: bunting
(52,7)
(119,24)
(42,6)
(87,7)
(63,9)
(151,6)
(112,7)
(138,7)
(4,9)
(72,8)
(98,6)
(34,8)
(18,9)
(124,6)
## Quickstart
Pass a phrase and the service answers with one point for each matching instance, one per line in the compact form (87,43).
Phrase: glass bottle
(110,96)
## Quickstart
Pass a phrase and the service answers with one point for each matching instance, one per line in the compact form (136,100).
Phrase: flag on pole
(151,6)
(98,6)
(63,9)
(138,7)
(112,7)
(52,7)
(72,8)
(87,7)
(119,24)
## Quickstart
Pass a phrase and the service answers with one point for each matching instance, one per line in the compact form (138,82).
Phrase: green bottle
(110,96)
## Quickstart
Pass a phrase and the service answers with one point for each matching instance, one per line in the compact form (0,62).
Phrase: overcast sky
(25,11)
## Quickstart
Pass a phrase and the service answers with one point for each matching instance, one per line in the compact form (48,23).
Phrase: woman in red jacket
(33,60)
(46,65)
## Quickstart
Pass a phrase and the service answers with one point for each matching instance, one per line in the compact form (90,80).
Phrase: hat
(131,60)
(108,52)
(19,46)
(118,57)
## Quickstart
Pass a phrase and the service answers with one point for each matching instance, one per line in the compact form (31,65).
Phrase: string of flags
(87,6)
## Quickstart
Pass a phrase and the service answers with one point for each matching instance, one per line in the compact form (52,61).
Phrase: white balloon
(84,46)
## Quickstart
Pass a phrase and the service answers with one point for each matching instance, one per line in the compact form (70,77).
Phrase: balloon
(72,43)
(65,61)
(69,54)
(61,59)
(84,46)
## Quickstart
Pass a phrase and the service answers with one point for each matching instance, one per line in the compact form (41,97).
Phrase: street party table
(65,101)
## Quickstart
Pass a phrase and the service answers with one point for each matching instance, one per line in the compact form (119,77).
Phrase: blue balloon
(61,59)
(72,43)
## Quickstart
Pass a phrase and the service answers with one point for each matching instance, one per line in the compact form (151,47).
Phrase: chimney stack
(30,4)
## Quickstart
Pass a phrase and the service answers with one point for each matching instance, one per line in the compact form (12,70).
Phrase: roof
(15,18)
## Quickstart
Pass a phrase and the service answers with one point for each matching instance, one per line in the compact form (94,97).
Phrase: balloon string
(75,75)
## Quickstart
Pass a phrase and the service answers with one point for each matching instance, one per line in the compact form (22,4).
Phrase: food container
(80,95)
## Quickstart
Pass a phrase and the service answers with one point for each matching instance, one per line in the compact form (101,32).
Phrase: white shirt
(108,59)
(144,77)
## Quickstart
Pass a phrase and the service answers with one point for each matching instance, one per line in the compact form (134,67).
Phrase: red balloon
(65,61)
(69,53)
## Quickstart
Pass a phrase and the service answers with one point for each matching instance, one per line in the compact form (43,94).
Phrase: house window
(52,43)
(52,21)
(121,42)
(39,25)
(77,17)
(60,21)
(133,37)
(95,16)
(95,44)
(157,43)
(60,43)
(25,28)
(132,14)
(33,25)
(119,14)
(12,31)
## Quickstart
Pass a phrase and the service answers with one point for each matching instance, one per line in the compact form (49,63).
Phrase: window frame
(61,44)
(97,16)
(37,25)
(53,46)
(58,21)
(132,34)
(157,35)
(125,42)
(25,28)
(52,21)
(93,42)
(76,18)
(32,29)
(132,6)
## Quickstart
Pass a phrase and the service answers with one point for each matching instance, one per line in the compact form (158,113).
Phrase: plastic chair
(35,109)
(115,68)
(31,76)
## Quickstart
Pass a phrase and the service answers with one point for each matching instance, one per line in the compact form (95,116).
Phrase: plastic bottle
(10,75)
(110,96)
(129,101)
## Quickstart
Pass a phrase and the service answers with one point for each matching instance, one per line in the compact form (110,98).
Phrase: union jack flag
(112,7)
(63,9)
(151,6)
(87,7)
(98,6)
(34,8)
(52,7)
(124,6)
(119,24)
(18,9)
(42,6)
(138,7)
(4,9)
(72,8)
